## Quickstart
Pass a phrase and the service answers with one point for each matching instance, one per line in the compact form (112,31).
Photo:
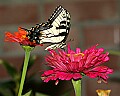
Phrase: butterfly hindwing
(54,46)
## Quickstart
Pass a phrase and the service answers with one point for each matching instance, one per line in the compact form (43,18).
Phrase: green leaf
(5,92)
(10,69)
(5,84)
(40,94)
(67,93)
(114,52)
(28,93)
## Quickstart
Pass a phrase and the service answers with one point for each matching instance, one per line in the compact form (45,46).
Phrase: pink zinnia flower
(74,65)
(20,37)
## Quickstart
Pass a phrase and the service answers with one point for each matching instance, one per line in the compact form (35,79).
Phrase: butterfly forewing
(55,14)
(61,26)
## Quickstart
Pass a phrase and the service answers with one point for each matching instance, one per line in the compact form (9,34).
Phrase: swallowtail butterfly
(55,31)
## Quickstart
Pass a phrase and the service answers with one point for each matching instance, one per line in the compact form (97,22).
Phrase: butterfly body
(54,31)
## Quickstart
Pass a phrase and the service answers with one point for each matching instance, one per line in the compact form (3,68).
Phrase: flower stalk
(27,49)
(77,87)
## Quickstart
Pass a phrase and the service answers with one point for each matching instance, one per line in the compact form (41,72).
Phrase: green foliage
(40,94)
(36,86)
(11,86)
(10,70)
(113,52)
(5,92)
(28,93)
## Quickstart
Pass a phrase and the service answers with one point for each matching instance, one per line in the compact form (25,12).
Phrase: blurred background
(92,22)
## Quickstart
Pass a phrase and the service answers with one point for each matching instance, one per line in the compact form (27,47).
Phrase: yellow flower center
(23,36)
(103,92)
(76,54)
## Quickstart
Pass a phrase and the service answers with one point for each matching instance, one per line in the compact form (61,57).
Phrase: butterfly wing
(54,31)
(54,46)
(60,22)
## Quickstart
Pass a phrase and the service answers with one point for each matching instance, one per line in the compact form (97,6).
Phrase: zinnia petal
(19,37)
(74,64)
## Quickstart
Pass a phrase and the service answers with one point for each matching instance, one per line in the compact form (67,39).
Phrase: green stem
(77,87)
(26,60)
